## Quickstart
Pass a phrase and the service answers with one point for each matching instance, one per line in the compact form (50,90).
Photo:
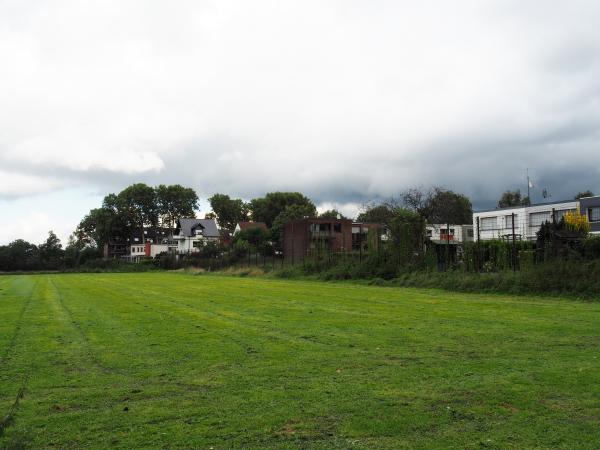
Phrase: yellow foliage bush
(577,222)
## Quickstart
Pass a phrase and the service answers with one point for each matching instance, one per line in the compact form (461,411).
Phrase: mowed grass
(163,360)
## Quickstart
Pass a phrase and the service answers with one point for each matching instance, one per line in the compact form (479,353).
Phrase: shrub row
(571,278)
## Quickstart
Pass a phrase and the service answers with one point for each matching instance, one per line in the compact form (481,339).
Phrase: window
(488,223)
(594,214)
(560,213)
(538,218)
(429,232)
(470,232)
(337,227)
(508,221)
(444,231)
(319,227)
(197,244)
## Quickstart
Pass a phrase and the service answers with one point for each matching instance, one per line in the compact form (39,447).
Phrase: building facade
(193,234)
(498,223)
(590,207)
(442,233)
(305,237)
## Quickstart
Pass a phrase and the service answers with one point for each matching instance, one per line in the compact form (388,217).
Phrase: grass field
(180,361)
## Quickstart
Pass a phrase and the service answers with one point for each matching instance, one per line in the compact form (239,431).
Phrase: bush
(573,278)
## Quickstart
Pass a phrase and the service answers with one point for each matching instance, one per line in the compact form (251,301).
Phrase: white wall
(460,232)
(524,227)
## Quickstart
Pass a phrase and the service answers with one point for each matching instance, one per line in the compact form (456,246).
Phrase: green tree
(439,205)
(257,239)
(291,212)
(19,255)
(137,205)
(512,198)
(97,227)
(377,213)
(583,194)
(331,214)
(268,208)
(229,211)
(51,251)
(174,202)
(407,234)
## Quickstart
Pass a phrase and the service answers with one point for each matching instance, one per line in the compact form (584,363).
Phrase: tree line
(138,206)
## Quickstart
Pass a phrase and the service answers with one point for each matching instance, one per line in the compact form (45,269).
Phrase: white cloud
(344,100)
(18,185)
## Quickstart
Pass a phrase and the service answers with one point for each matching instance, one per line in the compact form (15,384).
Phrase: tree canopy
(267,208)
(377,213)
(439,205)
(228,211)
(175,202)
(331,214)
(583,194)
(511,199)
(135,207)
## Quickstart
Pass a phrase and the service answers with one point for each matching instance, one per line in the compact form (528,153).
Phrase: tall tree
(174,202)
(267,208)
(51,251)
(377,213)
(97,227)
(439,205)
(138,206)
(229,211)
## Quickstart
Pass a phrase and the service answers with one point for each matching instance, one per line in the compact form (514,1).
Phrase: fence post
(478,248)
(293,238)
(360,243)
(514,247)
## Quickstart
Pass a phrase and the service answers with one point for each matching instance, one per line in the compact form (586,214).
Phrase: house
(304,237)
(138,252)
(249,225)
(443,233)
(590,207)
(133,246)
(498,223)
(193,234)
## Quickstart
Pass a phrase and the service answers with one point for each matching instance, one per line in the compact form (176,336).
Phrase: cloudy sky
(346,101)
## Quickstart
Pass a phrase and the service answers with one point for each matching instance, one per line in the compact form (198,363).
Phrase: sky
(346,101)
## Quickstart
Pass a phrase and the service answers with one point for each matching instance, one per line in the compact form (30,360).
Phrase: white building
(449,234)
(498,223)
(192,234)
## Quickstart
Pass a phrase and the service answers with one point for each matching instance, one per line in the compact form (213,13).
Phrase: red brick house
(306,237)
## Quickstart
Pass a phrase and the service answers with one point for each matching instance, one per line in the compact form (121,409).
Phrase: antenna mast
(528,186)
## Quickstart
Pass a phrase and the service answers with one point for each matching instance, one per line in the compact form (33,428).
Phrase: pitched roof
(249,225)
(188,226)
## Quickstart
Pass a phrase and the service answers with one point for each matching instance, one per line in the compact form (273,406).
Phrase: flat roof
(528,206)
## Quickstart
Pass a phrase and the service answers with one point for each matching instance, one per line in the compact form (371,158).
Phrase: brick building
(305,237)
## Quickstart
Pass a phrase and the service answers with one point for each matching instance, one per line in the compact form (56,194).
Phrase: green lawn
(180,361)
